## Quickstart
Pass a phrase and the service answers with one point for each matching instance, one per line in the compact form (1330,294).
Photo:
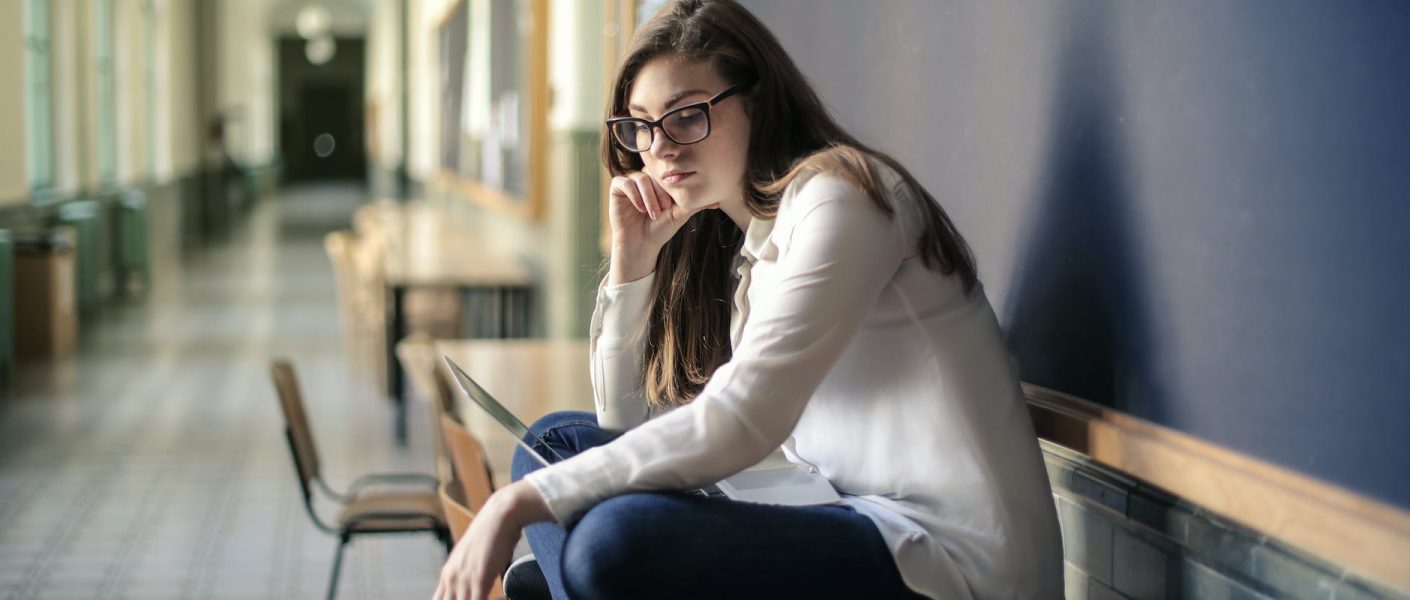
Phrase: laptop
(774,480)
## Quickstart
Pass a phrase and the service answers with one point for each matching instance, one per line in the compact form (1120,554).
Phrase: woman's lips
(675,178)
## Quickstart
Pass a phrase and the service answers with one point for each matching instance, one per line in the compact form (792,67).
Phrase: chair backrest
(449,404)
(467,458)
(340,246)
(418,355)
(370,302)
(458,515)
(365,256)
(296,423)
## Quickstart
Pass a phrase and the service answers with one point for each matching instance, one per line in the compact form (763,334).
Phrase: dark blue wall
(1196,212)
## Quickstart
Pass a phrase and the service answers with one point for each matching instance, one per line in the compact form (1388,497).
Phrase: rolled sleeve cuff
(572,486)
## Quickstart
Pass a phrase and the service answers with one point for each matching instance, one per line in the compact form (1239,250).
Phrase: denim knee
(554,419)
(522,463)
(604,555)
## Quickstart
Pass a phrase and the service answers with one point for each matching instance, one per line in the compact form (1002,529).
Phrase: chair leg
(337,565)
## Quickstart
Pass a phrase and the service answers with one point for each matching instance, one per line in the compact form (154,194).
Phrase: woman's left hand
(485,550)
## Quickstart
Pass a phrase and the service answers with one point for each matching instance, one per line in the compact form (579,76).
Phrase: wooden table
(425,247)
(529,377)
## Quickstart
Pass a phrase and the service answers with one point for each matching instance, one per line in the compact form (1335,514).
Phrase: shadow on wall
(1078,314)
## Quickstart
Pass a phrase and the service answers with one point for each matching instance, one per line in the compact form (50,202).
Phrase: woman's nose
(662,146)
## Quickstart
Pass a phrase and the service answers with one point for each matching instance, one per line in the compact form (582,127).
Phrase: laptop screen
(501,415)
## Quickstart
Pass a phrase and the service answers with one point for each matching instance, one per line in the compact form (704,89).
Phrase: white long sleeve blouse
(884,375)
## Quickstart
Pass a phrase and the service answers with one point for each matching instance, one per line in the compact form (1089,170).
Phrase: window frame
(40,175)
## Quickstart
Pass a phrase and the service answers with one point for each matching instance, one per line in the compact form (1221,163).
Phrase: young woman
(773,282)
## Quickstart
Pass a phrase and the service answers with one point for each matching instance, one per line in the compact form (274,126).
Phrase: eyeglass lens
(683,127)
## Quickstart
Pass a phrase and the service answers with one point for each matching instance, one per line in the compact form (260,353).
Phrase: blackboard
(1197,213)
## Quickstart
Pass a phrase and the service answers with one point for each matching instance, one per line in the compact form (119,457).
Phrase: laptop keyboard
(709,491)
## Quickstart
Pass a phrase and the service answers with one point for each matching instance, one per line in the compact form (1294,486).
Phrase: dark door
(331,143)
(321,112)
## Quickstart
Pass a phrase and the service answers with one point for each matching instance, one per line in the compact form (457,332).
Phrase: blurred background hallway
(151,463)
(1188,218)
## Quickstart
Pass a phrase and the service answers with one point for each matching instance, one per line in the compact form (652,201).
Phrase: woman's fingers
(619,188)
(444,589)
(455,574)
(647,196)
(452,585)
(647,187)
(664,199)
(627,189)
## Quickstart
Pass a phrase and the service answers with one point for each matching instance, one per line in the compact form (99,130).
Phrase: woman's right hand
(643,218)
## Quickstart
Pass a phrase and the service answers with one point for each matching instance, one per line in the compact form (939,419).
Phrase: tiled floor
(153,465)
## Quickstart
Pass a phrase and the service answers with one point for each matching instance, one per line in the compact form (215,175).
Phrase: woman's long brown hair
(791,133)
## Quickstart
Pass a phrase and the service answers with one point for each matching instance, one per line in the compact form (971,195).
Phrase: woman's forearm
(617,348)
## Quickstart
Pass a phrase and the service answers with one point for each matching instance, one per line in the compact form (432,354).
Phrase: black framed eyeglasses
(683,125)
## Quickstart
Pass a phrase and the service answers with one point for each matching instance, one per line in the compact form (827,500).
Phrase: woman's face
(709,172)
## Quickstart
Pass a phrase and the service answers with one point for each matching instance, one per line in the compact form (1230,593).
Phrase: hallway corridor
(153,465)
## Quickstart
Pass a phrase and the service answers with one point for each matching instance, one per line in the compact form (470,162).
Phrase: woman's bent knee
(608,551)
(562,417)
(522,464)
(546,428)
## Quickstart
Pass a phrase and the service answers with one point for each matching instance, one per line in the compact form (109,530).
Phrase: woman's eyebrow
(669,103)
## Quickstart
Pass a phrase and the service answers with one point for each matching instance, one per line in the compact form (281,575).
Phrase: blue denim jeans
(674,545)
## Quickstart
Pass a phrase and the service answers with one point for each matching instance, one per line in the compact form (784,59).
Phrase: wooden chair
(370,299)
(459,516)
(358,265)
(364,510)
(467,458)
(340,247)
(464,495)
(422,365)
(382,228)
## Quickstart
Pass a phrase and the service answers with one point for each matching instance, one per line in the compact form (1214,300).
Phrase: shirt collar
(755,237)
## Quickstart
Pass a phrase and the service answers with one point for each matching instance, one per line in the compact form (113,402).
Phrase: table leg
(505,307)
(395,325)
(473,313)
(516,312)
